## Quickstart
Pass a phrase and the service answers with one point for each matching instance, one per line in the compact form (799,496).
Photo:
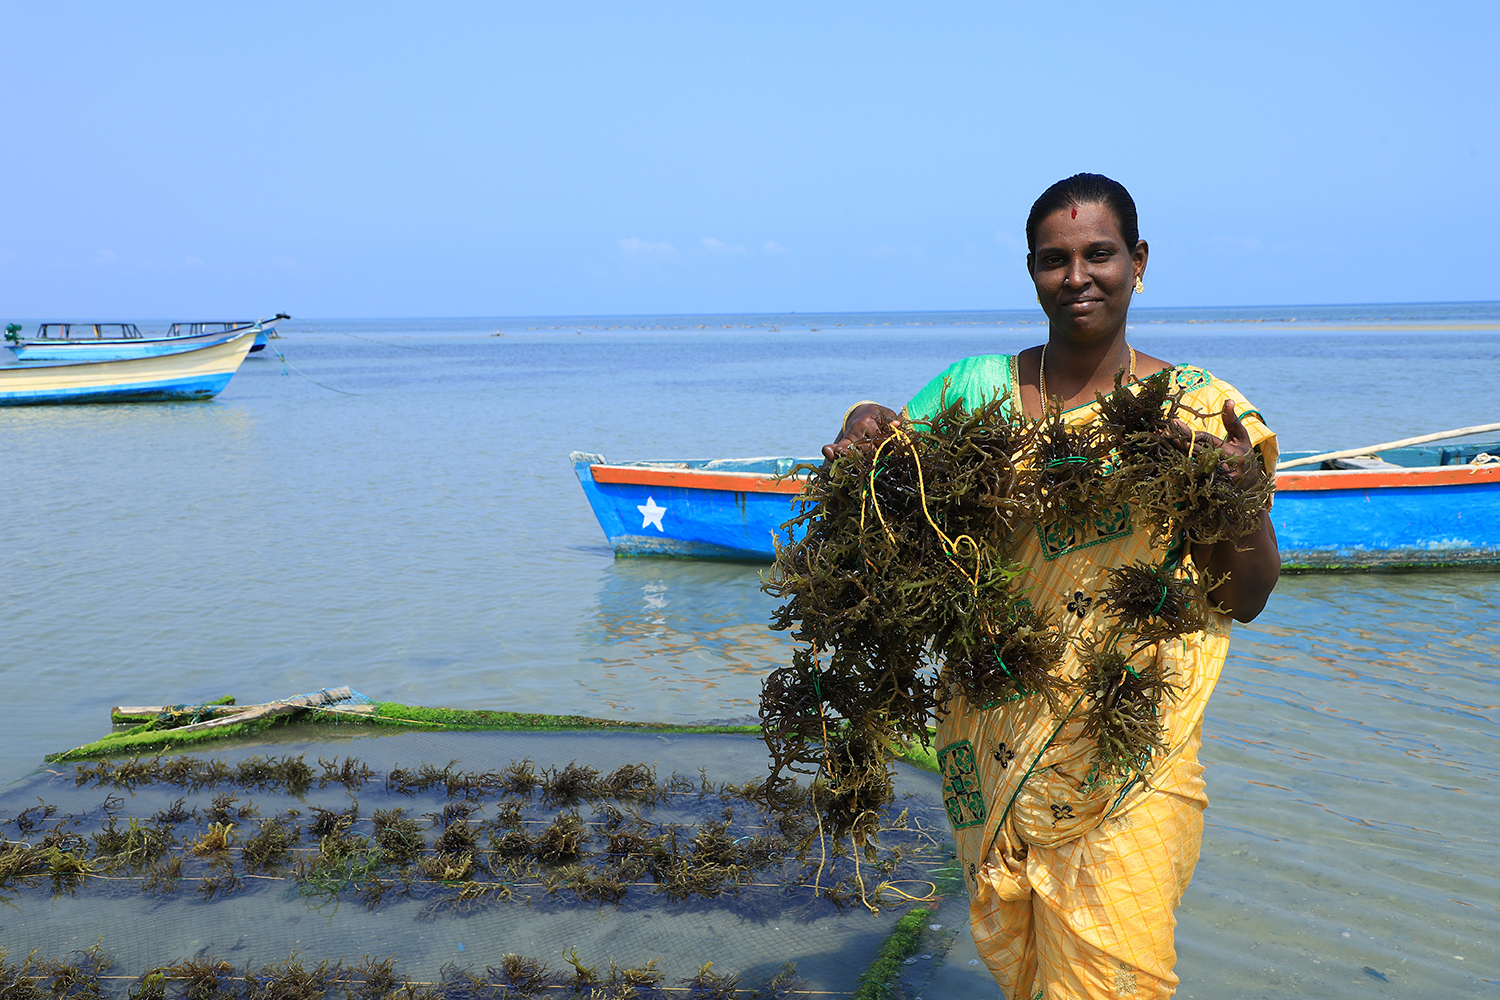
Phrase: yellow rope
(891,886)
(952,545)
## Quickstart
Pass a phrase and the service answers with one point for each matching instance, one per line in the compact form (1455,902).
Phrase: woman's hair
(1085,189)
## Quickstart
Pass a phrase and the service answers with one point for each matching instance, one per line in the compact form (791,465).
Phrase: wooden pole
(1404,442)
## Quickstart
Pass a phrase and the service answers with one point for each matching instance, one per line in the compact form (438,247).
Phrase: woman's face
(1084,272)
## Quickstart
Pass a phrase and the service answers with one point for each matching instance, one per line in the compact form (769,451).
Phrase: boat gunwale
(697,479)
(227,339)
(1312,480)
(1366,479)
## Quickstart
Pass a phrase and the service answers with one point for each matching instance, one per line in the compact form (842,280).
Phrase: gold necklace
(1041,374)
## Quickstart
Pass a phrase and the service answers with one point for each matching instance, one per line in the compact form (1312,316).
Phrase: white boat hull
(196,373)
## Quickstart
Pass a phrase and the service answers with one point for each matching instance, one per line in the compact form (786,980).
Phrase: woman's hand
(1251,563)
(1244,465)
(865,424)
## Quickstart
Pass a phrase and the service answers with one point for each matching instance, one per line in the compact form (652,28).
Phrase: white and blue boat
(196,328)
(195,373)
(122,341)
(1407,507)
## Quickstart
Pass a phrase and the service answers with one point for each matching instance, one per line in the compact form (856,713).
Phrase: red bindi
(1075,211)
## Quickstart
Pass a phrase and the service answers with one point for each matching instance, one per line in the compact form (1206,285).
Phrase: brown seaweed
(523,976)
(903,576)
(1154,603)
(1123,717)
(563,840)
(1174,486)
(270,848)
(398,836)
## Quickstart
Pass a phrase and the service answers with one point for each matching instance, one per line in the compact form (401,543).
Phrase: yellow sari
(1073,881)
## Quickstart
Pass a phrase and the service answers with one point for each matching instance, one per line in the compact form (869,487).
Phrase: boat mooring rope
(285,364)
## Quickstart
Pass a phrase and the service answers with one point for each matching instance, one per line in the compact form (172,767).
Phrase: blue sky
(326,159)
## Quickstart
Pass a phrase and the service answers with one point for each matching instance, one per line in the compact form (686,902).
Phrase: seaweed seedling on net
(270,848)
(398,836)
(459,838)
(214,840)
(563,840)
(352,773)
(710,985)
(567,786)
(131,847)
(522,976)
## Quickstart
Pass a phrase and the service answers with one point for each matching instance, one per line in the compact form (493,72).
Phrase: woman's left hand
(1244,465)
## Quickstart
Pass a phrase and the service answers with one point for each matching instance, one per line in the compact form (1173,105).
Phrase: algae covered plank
(156,735)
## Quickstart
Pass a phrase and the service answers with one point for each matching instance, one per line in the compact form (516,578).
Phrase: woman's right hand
(864,425)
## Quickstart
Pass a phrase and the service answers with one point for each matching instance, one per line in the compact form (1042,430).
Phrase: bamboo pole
(327,700)
(1404,442)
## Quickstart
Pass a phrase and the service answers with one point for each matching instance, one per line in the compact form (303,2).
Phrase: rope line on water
(285,364)
(404,347)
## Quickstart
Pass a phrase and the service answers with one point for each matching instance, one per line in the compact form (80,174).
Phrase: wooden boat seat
(1361,462)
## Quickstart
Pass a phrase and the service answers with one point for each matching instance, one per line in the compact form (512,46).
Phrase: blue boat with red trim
(1379,508)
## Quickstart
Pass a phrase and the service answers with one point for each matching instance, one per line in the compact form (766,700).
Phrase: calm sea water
(422,538)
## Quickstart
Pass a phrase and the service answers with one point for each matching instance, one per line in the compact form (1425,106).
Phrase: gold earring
(1140,286)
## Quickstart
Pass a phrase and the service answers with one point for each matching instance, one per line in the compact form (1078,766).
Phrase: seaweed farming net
(643,859)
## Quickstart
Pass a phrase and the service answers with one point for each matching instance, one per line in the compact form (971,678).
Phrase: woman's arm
(1252,563)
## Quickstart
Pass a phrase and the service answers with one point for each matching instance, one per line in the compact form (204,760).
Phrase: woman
(1073,881)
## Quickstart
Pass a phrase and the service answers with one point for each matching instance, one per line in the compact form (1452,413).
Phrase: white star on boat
(651,514)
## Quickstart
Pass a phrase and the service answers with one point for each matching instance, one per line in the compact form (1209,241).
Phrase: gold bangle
(845,423)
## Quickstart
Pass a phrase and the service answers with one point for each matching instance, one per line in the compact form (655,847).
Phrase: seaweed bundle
(900,568)
(1155,603)
(903,589)
(903,569)
(1173,484)
(1063,479)
(1123,720)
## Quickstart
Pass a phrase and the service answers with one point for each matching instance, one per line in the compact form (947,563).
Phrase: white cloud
(772,247)
(1008,240)
(105,256)
(633,247)
(191,261)
(719,246)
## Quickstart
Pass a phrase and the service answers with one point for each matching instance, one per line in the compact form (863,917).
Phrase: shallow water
(1354,770)
(425,540)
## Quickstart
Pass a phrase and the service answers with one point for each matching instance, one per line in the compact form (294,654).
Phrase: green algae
(149,737)
(905,939)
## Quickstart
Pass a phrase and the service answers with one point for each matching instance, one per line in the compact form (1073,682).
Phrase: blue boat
(196,373)
(709,509)
(1403,508)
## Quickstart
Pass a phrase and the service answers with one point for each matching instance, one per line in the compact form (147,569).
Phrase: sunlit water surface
(423,539)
